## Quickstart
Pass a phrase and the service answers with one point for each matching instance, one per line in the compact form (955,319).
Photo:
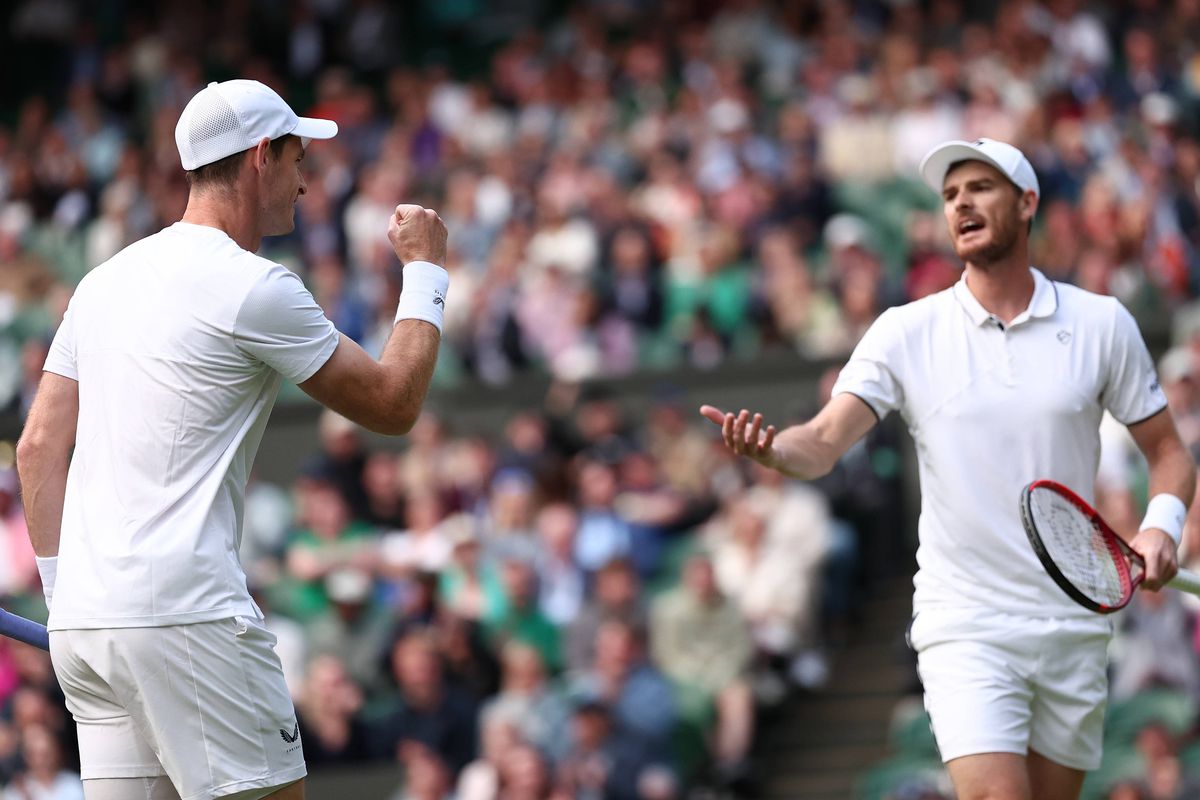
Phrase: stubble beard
(999,248)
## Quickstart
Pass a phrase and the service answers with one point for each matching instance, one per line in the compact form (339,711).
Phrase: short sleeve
(61,358)
(871,373)
(1131,390)
(281,325)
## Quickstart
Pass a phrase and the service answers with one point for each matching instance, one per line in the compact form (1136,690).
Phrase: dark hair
(223,173)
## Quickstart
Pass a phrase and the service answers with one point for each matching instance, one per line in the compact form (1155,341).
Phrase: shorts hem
(110,772)
(274,780)
(980,750)
(1071,761)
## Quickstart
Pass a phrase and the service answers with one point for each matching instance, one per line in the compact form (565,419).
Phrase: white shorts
(204,704)
(996,683)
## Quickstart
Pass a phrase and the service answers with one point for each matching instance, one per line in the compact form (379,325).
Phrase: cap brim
(938,161)
(309,128)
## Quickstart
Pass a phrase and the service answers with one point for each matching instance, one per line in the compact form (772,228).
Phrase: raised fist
(417,234)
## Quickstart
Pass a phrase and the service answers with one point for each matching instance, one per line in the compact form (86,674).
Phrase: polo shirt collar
(1043,303)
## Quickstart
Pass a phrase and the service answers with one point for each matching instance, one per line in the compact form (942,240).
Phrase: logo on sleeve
(1155,386)
(293,736)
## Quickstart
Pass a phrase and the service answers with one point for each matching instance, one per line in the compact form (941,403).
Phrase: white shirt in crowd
(992,407)
(179,343)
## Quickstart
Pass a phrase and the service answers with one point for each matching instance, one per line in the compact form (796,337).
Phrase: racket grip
(26,630)
(1186,581)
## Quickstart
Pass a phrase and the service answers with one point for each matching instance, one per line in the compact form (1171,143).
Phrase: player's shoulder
(920,313)
(1082,305)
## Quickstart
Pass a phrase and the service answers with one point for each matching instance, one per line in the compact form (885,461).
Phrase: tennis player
(1001,379)
(161,378)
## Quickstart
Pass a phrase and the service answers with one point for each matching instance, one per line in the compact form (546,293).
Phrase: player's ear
(260,154)
(1027,205)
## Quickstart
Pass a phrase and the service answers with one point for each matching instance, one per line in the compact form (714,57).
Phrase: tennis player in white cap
(160,380)
(1002,379)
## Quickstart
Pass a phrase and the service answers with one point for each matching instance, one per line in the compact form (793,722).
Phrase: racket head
(1080,552)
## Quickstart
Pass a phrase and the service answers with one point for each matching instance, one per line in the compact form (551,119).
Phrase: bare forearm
(44,489)
(803,453)
(408,361)
(1172,471)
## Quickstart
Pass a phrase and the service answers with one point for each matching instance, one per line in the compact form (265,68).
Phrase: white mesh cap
(1004,157)
(227,118)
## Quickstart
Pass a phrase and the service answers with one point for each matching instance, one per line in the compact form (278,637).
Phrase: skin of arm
(1172,471)
(43,457)
(385,396)
(805,451)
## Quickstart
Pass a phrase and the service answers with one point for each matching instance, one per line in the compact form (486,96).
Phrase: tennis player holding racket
(161,378)
(1001,379)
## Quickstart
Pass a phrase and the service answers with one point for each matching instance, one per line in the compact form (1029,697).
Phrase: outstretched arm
(804,451)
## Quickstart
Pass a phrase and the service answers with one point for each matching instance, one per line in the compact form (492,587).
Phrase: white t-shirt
(179,344)
(991,408)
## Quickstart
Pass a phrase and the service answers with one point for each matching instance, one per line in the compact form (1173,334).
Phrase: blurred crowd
(627,186)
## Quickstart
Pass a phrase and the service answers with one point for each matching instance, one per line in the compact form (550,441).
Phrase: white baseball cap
(230,117)
(1004,157)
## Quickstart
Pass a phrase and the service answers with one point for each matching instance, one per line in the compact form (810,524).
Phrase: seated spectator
(480,780)
(43,777)
(616,594)
(768,578)
(356,627)
(700,640)
(641,700)
(527,701)
(469,661)
(426,774)
(470,586)
(562,584)
(332,540)
(429,709)
(423,545)
(327,711)
(507,526)
(605,763)
(525,775)
(603,534)
(1154,645)
(520,619)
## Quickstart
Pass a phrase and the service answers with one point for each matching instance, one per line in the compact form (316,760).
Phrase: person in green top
(332,541)
(520,618)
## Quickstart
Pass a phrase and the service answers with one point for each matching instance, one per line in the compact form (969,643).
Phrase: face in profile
(282,185)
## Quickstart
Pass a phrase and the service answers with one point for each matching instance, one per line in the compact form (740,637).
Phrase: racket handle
(1186,581)
(28,631)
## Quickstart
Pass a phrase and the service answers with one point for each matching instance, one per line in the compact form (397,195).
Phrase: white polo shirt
(992,407)
(179,344)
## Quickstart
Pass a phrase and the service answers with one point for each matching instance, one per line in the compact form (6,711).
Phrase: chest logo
(1064,336)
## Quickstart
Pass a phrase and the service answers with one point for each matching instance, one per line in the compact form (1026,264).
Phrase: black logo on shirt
(293,736)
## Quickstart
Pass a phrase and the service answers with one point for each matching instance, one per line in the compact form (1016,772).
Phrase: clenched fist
(417,234)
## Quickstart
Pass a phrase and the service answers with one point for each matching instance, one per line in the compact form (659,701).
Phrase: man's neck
(231,212)
(1003,288)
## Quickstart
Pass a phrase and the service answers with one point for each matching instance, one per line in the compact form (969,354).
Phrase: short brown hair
(223,173)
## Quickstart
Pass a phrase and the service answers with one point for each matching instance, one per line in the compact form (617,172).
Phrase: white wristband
(1167,513)
(424,294)
(48,569)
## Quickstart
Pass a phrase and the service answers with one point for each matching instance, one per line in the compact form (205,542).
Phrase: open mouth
(969,226)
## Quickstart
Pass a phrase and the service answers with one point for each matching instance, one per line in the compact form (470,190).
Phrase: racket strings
(1080,549)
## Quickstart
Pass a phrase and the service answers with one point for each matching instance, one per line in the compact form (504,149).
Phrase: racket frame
(1122,554)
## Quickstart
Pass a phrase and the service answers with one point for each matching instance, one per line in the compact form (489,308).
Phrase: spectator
(527,702)
(327,708)
(430,710)
(616,594)
(604,763)
(701,641)
(44,777)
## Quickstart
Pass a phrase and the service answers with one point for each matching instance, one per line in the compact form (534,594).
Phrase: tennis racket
(23,630)
(1083,555)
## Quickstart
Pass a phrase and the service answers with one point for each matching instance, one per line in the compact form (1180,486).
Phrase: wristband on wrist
(48,570)
(1167,513)
(424,294)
